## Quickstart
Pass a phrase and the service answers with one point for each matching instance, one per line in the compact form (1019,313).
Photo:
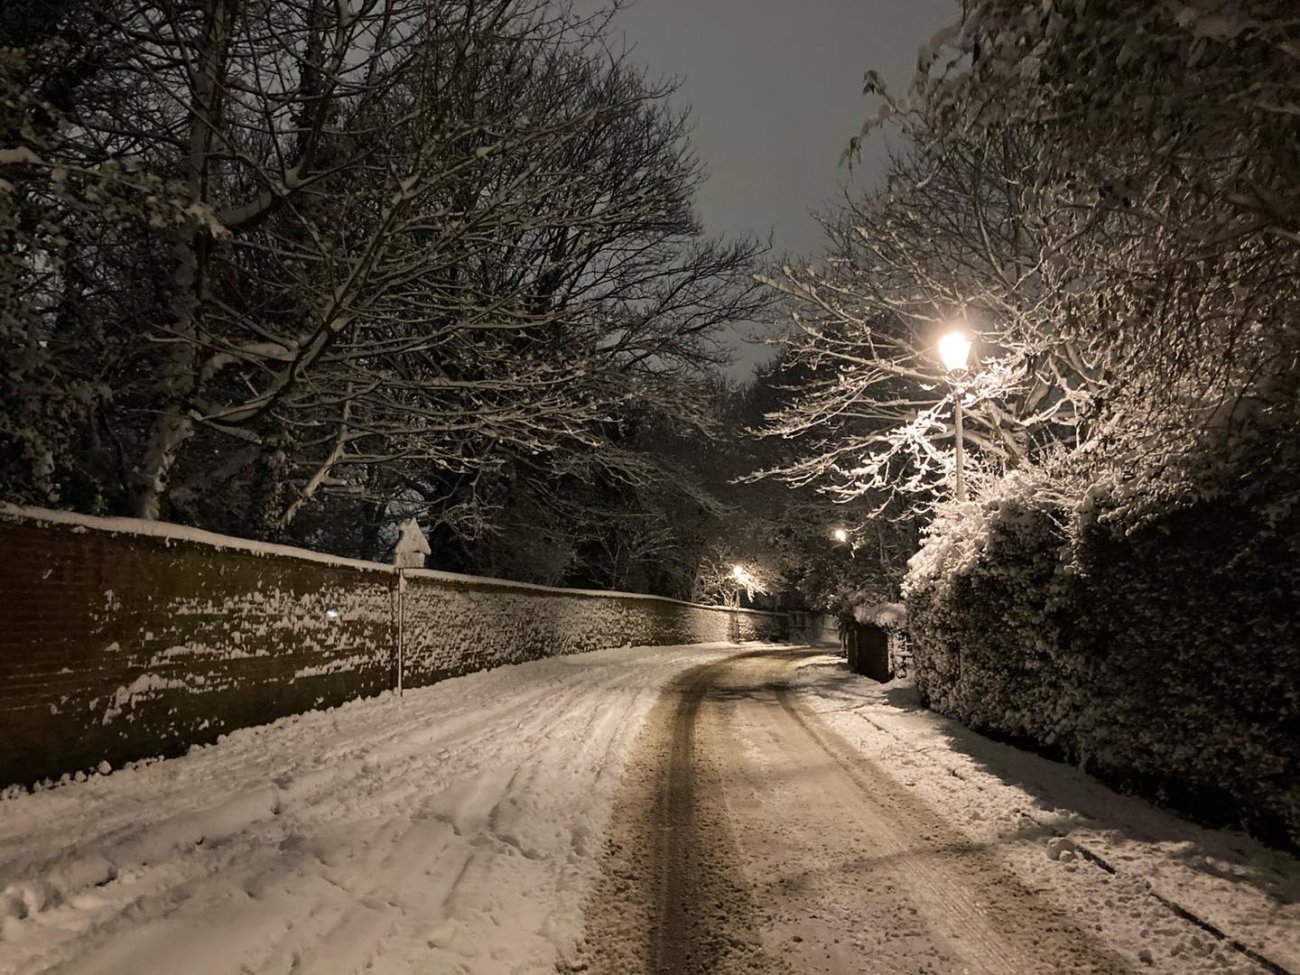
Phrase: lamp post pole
(954,350)
(956,410)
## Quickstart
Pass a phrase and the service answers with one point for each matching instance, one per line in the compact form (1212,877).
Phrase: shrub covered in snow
(887,616)
(1147,631)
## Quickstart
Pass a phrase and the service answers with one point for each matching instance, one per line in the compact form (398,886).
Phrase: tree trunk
(190,251)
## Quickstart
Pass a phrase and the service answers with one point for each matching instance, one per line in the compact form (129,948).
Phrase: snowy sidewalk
(1056,828)
(455,830)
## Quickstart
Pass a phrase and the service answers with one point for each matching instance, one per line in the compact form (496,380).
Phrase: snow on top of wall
(176,533)
(184,533)
(440,576)
(887,615)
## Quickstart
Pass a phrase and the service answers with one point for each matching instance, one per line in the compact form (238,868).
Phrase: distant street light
(954,350)
(744,578)
(841,537)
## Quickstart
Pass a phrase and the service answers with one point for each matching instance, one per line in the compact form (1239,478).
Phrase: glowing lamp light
(954,350)
(331,614)
(746,582)
(840,535)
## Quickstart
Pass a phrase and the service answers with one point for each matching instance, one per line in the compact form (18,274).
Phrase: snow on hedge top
(960,531)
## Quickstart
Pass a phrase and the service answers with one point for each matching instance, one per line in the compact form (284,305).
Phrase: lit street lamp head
(954,350)
(840,535)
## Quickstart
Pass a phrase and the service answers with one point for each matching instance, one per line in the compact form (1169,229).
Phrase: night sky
(775,92)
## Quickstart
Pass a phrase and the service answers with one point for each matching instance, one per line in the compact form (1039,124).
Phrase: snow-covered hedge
(1150,636)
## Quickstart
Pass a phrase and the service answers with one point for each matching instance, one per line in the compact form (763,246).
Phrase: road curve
(749,838)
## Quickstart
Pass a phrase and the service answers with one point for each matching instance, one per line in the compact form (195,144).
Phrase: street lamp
(954,350)
(743,578)
(840,536)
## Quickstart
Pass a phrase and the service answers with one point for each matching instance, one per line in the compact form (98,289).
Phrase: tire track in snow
(406,833)
(1147,859)
(746,841)
(669,900)
(973,903)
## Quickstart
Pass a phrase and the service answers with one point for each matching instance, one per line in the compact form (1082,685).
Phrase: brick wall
(457,625)
(813,628)
(122,639)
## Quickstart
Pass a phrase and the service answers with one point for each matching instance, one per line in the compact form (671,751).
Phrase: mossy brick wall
(121,640)
(454,626)
(115,647)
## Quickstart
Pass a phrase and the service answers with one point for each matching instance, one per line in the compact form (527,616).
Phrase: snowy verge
(455,829)
(1048,820)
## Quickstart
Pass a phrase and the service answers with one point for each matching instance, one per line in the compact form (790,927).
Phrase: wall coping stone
(184,533)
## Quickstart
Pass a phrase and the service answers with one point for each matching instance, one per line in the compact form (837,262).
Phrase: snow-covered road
(782,815)
(464,828)
(455,829)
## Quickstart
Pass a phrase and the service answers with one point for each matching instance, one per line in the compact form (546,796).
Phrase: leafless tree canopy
(262,254)
(1104,196)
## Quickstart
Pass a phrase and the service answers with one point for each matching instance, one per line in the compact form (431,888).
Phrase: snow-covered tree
(951,242)
(1100,195)
(287,252)
(1167,135)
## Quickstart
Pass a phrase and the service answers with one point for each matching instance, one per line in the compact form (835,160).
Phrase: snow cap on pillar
(411,547)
